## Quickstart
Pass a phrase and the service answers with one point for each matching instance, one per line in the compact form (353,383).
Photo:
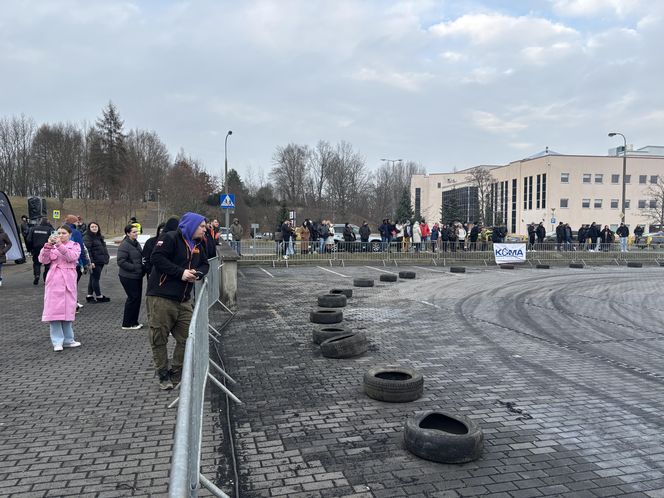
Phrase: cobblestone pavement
(562,369)
(89,421)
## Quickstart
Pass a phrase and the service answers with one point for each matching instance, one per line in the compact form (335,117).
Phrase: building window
(564,177)
(652,204)
(628,178)
(615,179)
(514,201)
(643,179)
(539,191)
(418,197)
(599,178)
(530,192)
(642,203)
(587,178)
(564,203)
(438,184)
(627,203)
(654,179)
(525,192)
(544,191)
(585,203)
(614,203)
(598,204)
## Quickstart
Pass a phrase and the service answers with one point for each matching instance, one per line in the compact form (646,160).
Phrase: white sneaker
(79,305)
(285,257)
(57,347)
(133,327)
(73,344)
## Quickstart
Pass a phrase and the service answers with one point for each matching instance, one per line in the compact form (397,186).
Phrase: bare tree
(654,209)
(289,172)
(320,162)
(187,186)
(390,181)
(348,181)
(16,136)
(147,164)
(481,178)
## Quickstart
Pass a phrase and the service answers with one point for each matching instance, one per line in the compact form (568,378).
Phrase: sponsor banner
(9,225)
(509,253)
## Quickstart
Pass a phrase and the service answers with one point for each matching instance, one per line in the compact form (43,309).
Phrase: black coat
(130,259)
(170,258)
(5,245)
(37,238)
(96,248)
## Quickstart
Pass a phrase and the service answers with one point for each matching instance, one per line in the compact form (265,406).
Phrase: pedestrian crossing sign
(227,201)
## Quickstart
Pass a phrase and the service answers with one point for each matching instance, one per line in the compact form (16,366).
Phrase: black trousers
(36,266)
(134,290)
(93,283)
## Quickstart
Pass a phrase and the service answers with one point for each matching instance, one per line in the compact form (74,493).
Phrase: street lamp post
(227,215)
(392,161)
(624,173)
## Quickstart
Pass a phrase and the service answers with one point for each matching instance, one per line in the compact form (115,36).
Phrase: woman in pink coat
(60,293)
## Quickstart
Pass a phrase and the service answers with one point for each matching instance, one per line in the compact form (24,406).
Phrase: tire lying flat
(363,282)
(457,269)
(443,437)
(331,300)
(326,316)
(507,266)
(407,274)
(542,267)
(346,292)
(322,334)
(576,265)
(634,264)
(393,383)
(388,278)
(344,346)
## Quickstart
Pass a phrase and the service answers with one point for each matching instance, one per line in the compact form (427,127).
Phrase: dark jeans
(93,283)
(36,266)
(134,290)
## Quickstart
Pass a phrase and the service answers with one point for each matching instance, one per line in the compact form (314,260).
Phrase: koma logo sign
(508,252)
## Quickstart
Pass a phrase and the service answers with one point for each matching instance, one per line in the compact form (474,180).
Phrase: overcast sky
(445,83)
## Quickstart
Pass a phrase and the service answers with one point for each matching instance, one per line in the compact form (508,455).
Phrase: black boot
(165,380)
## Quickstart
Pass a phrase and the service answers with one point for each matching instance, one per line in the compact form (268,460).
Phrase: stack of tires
(336,341)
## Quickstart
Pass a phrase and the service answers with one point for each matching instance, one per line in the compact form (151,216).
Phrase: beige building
(550,188)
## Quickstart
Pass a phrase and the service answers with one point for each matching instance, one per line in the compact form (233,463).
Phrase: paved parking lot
(562,369)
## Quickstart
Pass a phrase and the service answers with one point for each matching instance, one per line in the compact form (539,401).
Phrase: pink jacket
(60,292)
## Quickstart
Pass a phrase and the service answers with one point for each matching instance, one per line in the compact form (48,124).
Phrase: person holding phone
(178,260)
(62,255)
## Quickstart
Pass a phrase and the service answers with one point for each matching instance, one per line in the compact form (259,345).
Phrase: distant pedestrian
(96,245)
(365,232)
(37,238)
(417,236)
(623,233)
(178,260)
(25,229)
(5,245)
(236,234)
(133,222)
(329,242)
(304,237)
(81,225)
(61,254)
(435,234)
(131,271)
(169,226)
(210,244)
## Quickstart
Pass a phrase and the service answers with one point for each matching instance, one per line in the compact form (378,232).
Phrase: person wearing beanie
(178,260)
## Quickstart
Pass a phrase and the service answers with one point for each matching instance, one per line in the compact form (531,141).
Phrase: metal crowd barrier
(185,477)
(443,253)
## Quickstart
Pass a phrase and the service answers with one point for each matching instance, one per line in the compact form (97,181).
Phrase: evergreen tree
(282,215)
(405,209)
(109,154)
(450,210)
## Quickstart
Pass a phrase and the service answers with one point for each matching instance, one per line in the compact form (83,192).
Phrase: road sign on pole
(56,214)
(227,201)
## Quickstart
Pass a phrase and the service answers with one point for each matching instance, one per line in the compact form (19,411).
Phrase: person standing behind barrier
(435,234)
(461,236)
(560,236)
(287,236)
(407,235)
(568,237)
(426,233)
(131,271)
(5,246)
(236,234)
(531,236)
(178,260)
(61,254)
(36,239)
(623,233)
(313,235)
(417,236)
(638,233)
(96,245)
(606,236)
(323,232)
(329,242)
(474,234)
(210,243)
(304,237)
(365,232)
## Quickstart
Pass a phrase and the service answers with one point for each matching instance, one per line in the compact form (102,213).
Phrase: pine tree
(109,152)
(405,210)
(282,215)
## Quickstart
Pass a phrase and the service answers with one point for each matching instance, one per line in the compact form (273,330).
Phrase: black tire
(322,334)
(363,282)
(443,437)
(634,264)
(393,383)
(507,266)
(407,274)
(457,269)
(346,292)
(326,316)
(344,346)
(542,267)
(388,278)
(331,300)
(576,265)
(661,263)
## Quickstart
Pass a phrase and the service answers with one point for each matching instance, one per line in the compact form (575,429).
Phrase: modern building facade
(551,187)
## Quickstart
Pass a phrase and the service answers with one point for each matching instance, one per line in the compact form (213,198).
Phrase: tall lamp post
(613,134)
(226,176)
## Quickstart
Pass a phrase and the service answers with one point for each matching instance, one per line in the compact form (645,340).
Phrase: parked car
(374,240)
(224,234)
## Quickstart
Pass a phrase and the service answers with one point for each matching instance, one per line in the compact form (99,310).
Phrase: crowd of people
(171,261)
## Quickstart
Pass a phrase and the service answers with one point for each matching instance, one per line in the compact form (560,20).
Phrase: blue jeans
(237,245)
(321,245)
(61,332)
(289,249)
(623,244)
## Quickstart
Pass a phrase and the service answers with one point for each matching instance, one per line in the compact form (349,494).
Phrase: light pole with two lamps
(226,178)
(624,173)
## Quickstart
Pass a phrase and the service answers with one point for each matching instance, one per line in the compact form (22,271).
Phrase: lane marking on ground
(380,269)
(241,274)
(263,269)
(341,275)
(431,304)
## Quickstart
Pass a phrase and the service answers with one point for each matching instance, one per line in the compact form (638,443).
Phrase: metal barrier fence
(186,478)
(481,252)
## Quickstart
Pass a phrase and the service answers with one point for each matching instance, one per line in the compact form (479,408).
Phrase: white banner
(509,253)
